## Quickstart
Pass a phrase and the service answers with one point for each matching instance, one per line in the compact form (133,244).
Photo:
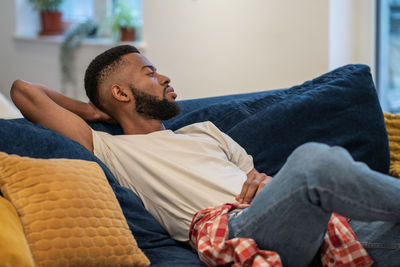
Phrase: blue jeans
(290,215)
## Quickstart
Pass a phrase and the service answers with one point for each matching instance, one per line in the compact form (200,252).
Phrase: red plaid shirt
(209,233)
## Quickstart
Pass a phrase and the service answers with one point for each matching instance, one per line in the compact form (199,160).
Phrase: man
(179,173)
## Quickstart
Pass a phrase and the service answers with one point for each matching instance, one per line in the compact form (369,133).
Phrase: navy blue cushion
(337,108)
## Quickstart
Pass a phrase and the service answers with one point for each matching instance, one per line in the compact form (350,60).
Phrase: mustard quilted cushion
(69,212)
(14,249)
(392,122)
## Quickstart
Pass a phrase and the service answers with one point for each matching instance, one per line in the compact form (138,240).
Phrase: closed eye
(150,70)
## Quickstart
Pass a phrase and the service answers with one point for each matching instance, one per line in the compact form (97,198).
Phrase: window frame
(27,25)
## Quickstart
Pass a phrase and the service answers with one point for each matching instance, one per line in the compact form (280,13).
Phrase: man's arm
(53,110)
(254,183)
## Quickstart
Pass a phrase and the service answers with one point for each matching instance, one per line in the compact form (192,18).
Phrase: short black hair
(101,66)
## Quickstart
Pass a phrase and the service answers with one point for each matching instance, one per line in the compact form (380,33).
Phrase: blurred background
(206,47)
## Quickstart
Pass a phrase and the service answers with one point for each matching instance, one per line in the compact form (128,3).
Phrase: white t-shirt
(177,173)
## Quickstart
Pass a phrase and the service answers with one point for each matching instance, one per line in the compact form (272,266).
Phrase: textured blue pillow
(337,108)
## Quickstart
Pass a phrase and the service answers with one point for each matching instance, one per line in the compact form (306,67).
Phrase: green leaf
(46,5)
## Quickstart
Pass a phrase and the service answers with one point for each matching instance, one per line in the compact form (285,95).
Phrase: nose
(164,80)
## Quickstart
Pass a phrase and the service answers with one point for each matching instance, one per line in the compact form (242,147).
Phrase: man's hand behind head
(99,115)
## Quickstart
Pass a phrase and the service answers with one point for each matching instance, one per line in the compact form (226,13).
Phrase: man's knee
(310,152)
(311,148)
(320,156)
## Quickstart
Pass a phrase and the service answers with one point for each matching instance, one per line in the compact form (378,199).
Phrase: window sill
(57,39)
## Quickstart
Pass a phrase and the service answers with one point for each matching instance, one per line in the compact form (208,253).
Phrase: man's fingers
(243,192)
(251,186)
(261,186)
(254,183)
(251,190)
(264,183)
(245,186)
(254,186)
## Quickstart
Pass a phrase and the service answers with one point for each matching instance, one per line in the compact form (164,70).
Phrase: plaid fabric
(341,247)
(209,233)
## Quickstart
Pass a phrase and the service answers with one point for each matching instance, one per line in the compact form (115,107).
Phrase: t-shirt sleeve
(100,149)
(235,153)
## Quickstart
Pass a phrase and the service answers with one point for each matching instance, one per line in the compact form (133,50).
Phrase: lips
(168,90)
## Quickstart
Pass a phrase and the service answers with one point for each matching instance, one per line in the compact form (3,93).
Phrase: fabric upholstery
(69,212)
(392,122)
(8,109)
(338,108)
(14,248)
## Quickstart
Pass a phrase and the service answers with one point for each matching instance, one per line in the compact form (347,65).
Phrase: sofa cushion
(392,122)
(69,212)
(338,108)
(14,248)
(8,109)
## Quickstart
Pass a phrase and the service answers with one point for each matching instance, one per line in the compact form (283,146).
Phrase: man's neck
(141,126)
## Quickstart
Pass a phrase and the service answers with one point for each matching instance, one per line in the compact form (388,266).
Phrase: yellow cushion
(69,212)
(392,122)
(14,249)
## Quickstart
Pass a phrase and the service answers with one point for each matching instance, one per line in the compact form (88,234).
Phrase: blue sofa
(338,108)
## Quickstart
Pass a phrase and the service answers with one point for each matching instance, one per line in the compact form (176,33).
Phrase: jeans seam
(356,204)
(372,245)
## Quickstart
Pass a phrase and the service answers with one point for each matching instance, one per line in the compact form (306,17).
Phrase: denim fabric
(291,213)
(381,239)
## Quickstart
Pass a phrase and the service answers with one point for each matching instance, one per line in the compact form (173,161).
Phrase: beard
(151,107)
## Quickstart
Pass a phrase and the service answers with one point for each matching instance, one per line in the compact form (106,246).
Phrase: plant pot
(51,23)
(127,34)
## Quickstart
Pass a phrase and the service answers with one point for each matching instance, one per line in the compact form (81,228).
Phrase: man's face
(140,73)
(154,97)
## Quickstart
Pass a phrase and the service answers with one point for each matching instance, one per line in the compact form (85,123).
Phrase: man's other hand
(254,183)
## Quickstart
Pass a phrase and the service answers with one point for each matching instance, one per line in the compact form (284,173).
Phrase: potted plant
(50,15)
(72,40)
(124,22)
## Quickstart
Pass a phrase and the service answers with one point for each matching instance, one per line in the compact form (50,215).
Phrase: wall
(213,47)
(352,32)
(207,47)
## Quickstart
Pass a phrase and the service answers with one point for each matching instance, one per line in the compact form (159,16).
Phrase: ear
(120,93)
